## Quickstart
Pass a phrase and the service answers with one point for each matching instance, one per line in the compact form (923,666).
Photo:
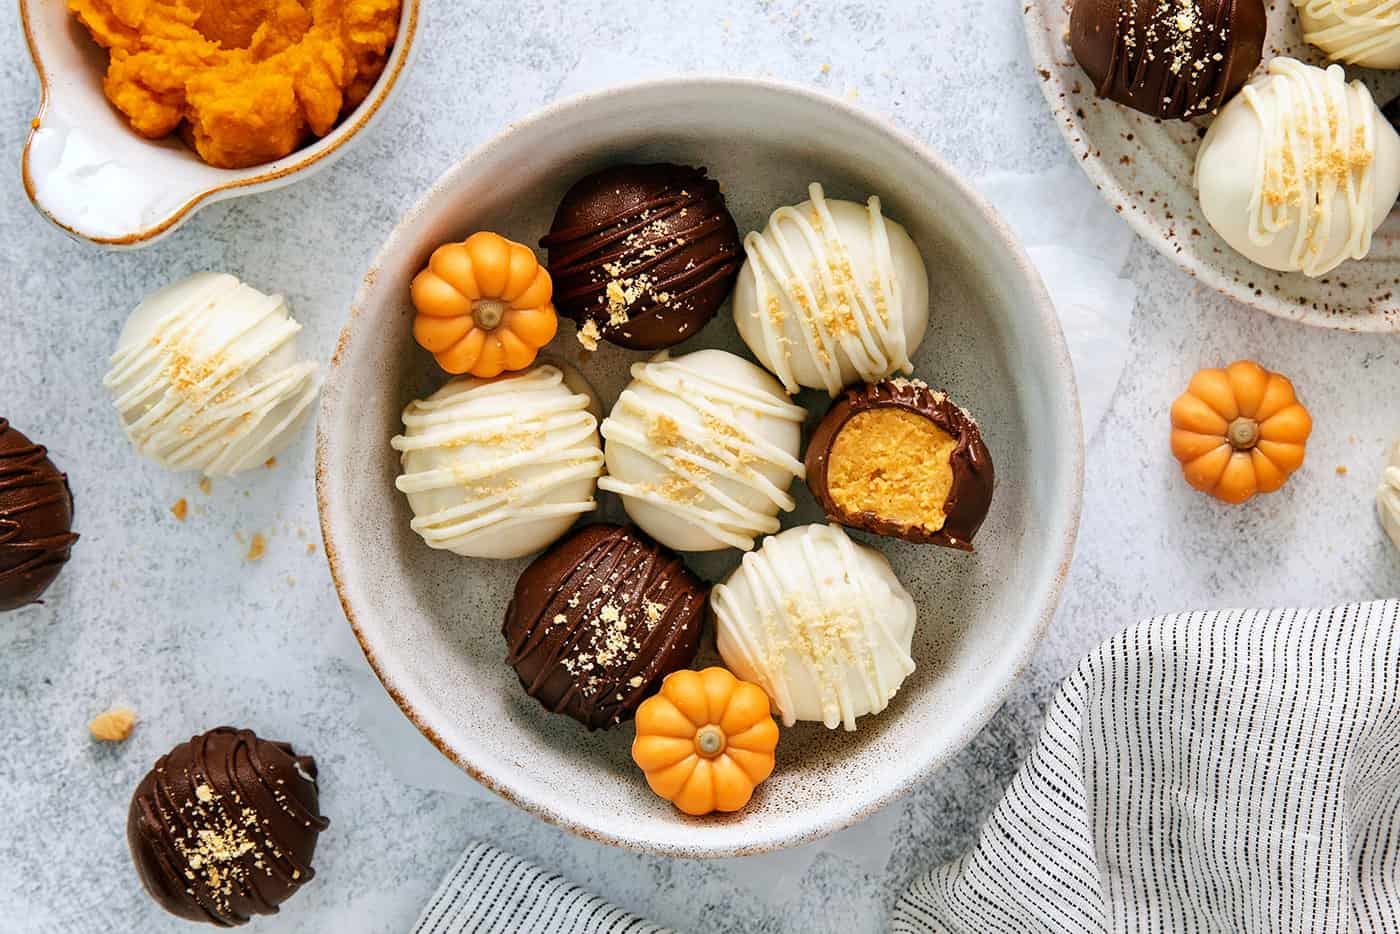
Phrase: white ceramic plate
(1144,168)
(430,621)
(90,175)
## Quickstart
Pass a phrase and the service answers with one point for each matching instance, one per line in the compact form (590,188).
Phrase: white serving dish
(86,171)
(429,621)
(1145,168)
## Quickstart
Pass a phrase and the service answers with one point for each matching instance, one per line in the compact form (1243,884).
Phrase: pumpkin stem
(1243,433)
(488,313)
(709,741)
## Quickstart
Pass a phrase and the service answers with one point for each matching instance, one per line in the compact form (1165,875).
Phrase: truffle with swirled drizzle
(599,620)
(225,827)
(36,519)
(642,256)
(1173,59)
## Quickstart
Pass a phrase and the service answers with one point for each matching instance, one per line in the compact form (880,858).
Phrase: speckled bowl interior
(1145,168)
(430,621)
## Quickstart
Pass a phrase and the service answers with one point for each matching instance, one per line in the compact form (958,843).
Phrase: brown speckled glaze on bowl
(429,621)
(1144,168)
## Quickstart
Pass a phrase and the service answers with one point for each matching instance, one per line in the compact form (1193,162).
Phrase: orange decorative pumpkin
(1239,431)
(484,306)
(706,740)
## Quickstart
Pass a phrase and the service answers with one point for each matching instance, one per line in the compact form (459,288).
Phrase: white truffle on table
(207,376)
(501,468)
(820,623)
(1358,32)
(702,449)
(1299,169)
(832,293)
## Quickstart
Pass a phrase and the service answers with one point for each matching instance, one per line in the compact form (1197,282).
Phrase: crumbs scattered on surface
(257,547)
(826,68)
(1341,470)
(180,509)
(205,485)
(113,726)
(311,548)
(270,463)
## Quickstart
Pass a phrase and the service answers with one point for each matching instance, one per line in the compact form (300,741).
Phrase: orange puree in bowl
(244,81)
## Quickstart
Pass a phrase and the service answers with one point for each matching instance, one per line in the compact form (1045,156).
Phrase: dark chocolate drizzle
(1136,55)
(225,827)
(575,661)
(663,233)
(974,476)
(36,519)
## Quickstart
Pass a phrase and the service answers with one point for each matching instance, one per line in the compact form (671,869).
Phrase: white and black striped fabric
(489,892)
(1210,772)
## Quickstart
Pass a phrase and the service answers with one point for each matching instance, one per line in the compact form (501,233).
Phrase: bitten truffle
(599,620)
(225,827)
(36,519)
(1173,59)
(900,459)
(642,256)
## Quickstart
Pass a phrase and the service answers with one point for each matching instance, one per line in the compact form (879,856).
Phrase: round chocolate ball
(642,255)
(1173,59)
(599,620)
(897,458)
(36,519)
(225,826)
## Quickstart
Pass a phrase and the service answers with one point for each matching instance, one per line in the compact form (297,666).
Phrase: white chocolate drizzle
(202,388)
(1317,153)
(837,314)
(703,451)
(831,620)
(1354,30)
(516,424)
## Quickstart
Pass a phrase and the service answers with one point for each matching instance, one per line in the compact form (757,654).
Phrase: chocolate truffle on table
(702,449)
(36,520)
(599,620)
(1300,169)
(900,459)
(819,622)
(833,292)
(1172,59)
(225,827)
(642,256)
(500,468)
(1358,32)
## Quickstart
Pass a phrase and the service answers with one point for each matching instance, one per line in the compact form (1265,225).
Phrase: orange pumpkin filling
(893,464)
(244,81)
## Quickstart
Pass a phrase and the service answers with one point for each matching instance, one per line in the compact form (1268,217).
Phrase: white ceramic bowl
(93,177)
(1145,169)
(430,622)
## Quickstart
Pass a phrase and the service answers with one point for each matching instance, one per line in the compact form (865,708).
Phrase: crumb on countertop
(205,485)
(114,725)
(1341,470)
(257,547)
(180,509)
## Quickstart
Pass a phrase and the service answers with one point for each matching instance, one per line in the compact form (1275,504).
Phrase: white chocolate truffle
(820,623)
(1358,32)
(702,449)
(500,468)
(1300,169)
(207,376)
(1388,496)
(832,293)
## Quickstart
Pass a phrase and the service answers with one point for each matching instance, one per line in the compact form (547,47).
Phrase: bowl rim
(246,181)
(1043,312)
(1041,42)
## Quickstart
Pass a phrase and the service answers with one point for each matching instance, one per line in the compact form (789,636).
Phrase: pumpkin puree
(894,464)
(244,81)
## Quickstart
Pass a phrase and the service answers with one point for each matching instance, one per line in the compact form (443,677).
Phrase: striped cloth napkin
(1208,772)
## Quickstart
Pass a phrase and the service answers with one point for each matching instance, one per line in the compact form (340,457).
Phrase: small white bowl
(429,621)
(89,173)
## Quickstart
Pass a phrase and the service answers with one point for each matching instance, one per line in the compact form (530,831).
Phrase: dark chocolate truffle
(1173,59)
(642,255)
(36,519)
(897,458)
(599,620)
(225,826)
